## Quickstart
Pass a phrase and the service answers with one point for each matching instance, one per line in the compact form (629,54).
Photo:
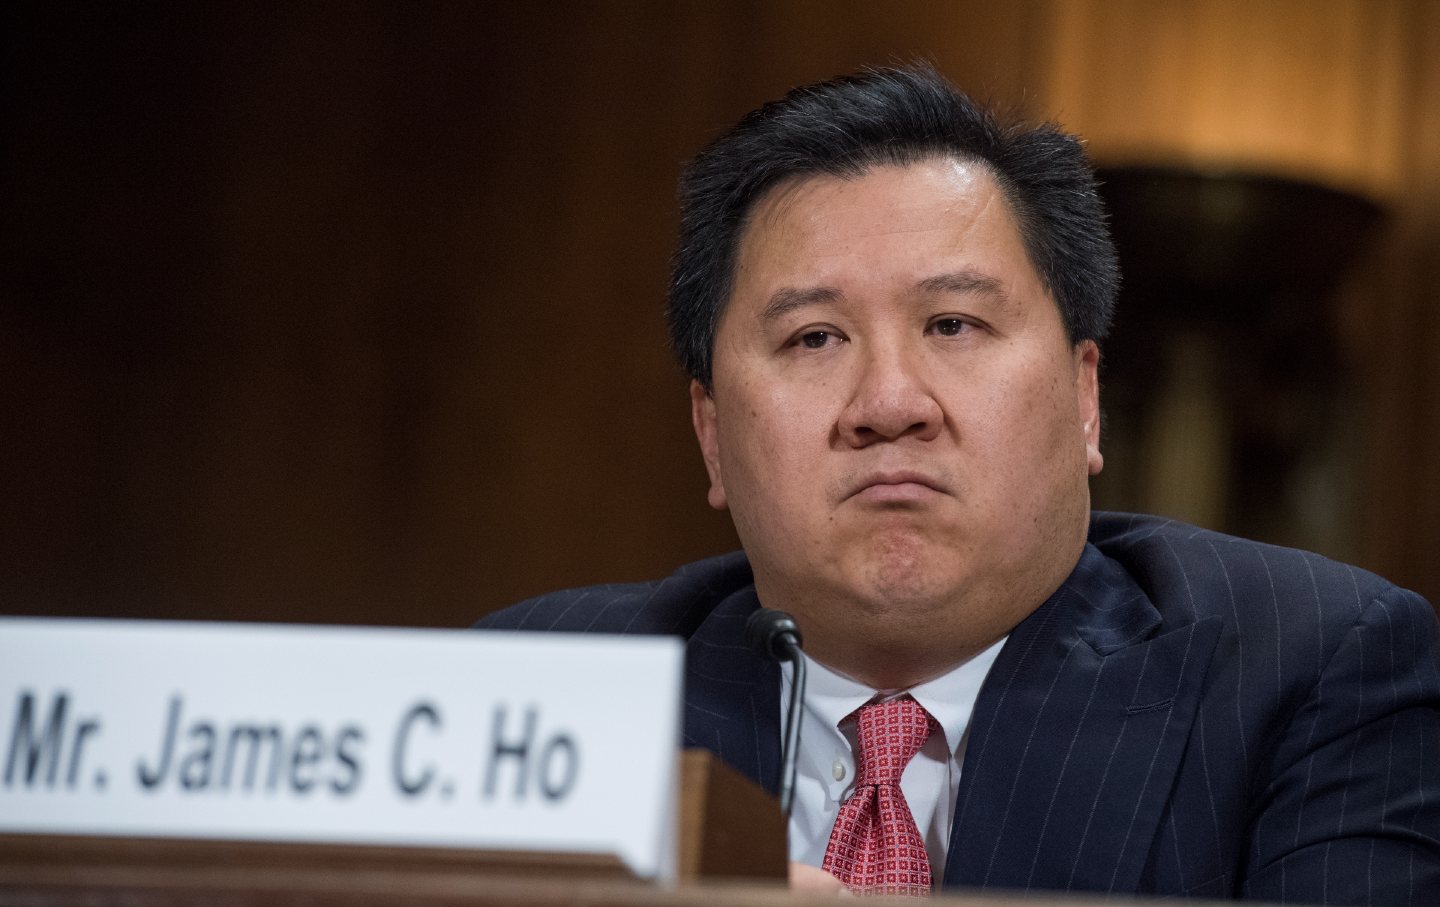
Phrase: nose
(891,400)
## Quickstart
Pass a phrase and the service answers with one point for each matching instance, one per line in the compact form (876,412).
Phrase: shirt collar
(949,698)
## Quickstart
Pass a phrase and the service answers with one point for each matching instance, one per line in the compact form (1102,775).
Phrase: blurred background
(351,312)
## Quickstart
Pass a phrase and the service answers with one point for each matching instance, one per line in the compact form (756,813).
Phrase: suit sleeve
(1351,813)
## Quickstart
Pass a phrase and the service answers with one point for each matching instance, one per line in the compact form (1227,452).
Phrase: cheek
(1028,429)
(773,444)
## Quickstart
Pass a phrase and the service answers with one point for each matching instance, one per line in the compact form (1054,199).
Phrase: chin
(906,571)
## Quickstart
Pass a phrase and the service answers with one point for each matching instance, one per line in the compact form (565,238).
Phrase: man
(890,304)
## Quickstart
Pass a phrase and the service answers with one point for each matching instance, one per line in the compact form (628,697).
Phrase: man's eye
(815,340)
(950,327)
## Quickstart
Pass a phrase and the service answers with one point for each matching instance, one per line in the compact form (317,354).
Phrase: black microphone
(774,634)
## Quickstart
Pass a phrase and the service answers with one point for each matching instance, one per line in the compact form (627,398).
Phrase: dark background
(351,312)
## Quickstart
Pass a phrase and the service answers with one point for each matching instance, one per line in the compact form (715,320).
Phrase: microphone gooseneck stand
(774,634)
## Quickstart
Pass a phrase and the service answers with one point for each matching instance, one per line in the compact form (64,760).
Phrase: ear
(707,432)
(1087,393)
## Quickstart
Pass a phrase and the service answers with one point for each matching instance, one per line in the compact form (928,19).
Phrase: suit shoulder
(675,605)
(1209,573)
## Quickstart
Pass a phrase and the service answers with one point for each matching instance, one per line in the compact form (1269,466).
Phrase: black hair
(891,116)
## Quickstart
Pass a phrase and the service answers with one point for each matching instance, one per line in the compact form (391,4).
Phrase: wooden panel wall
(351,312)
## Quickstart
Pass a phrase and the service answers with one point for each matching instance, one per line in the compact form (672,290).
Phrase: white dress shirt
(825,767)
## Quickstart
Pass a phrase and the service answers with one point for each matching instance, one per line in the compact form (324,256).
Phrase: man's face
(899,426)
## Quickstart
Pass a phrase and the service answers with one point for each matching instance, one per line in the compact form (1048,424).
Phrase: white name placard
(502,741)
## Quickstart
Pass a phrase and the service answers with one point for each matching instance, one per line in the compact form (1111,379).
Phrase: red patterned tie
(876,846)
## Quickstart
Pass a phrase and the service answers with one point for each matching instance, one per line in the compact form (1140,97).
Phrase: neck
(889,645)
(900,669)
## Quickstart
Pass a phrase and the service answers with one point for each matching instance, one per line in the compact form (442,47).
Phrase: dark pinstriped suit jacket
(1188,714)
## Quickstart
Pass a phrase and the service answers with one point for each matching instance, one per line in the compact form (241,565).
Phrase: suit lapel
(1076,738)
(732,694)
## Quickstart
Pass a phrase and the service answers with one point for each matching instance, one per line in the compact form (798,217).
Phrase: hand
(812,880)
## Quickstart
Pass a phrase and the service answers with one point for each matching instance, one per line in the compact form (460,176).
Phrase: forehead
(891,188)
(902,223)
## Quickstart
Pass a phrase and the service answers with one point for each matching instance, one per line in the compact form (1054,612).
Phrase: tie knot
(890,734)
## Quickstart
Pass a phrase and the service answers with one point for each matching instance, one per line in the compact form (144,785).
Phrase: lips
(897,487)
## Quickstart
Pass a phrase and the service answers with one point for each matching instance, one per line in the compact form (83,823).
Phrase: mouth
(900,487)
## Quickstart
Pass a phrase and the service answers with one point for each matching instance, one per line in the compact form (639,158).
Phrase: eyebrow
(965,282)
(787,299)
